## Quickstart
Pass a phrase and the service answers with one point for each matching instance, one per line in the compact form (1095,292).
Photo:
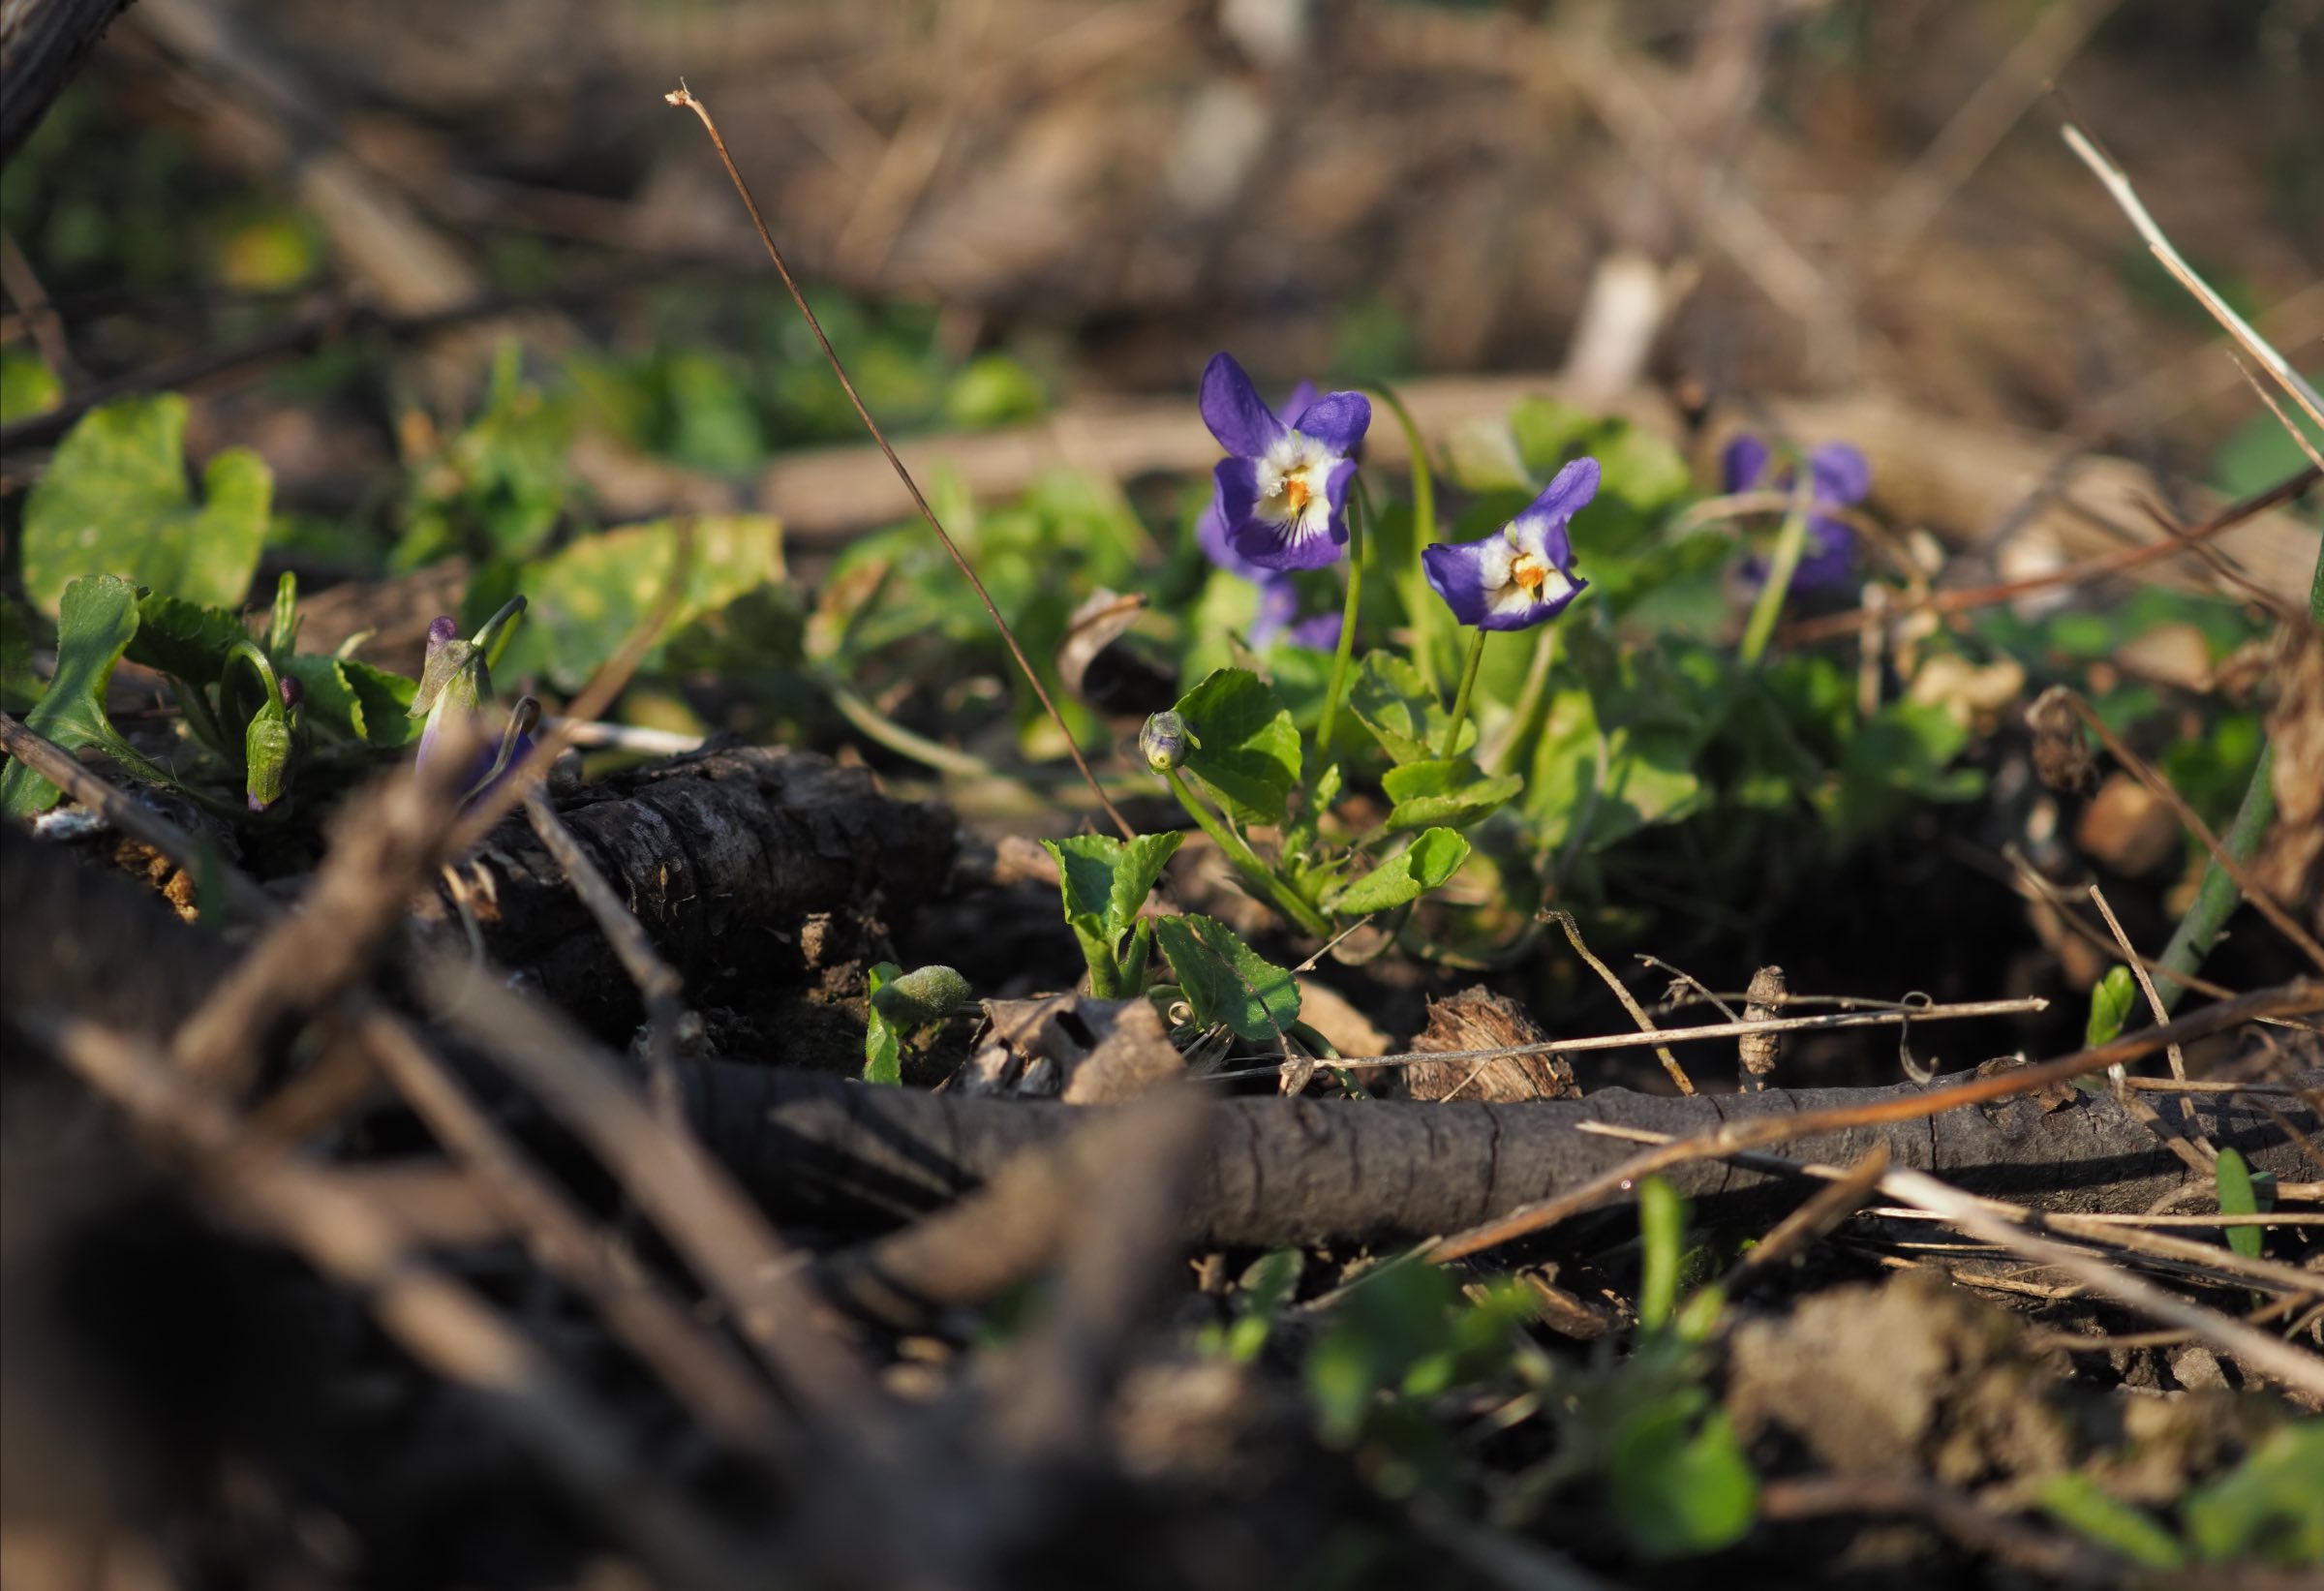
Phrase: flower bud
(1165,740)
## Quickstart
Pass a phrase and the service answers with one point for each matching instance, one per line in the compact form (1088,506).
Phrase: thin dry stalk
(1827,627)
(1889,1018)
(657,982)
(2198,1153)
(2254,1348)
(1814,1219)
(2117,184)
(438,1320)
(1630,1001)
(683,98)
(686,1193)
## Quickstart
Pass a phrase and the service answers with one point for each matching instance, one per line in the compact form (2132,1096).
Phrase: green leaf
(2073,1499)
(2268,1509)
(185,639)
(497,489)
(2238,1197)
(115,502)
(19,685)
(27,385)
(1266,1286)
(1662,1241)
(1679,1488)
(1103,883)
(588,597)
(883,1051)
(356,702)
(1453,792)
(1227,981)
(2110,1001)
(1250,752)
(1391,699)
(1431,859)
(95,623)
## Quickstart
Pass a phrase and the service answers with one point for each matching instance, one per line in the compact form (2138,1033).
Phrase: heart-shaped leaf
(1453,792)
(115,500)
(184,638)
(1390,698)
(1225,981)
(1249,752)
(95,623)
(356,702)
(1431,859)
(1104,882)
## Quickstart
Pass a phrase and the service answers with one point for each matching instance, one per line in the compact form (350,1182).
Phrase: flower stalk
(1237,851)
(1790,543)
(1357,542)
(1460,701)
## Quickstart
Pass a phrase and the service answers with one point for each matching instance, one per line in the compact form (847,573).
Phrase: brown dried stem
(684,99)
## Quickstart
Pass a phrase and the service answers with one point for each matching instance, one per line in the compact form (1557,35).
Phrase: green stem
(1347,628)
(2216,897)
(1245,861)
(1460,702)
(1789,542)
(1522,724)
(1420,606)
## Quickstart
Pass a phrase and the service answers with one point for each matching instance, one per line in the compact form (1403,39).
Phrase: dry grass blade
(1630,1001)
(2254,1348)
(1826,1210)
(685,99)
(687,1194)
(2117,184)
(2199,1155)
(439,1321)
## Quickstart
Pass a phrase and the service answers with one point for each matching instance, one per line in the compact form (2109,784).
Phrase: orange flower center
(1296,492)
(1529,571)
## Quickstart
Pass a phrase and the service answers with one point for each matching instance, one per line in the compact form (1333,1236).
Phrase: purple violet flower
(1283,487)
(1838,477)
(1523,574)
(1278,613)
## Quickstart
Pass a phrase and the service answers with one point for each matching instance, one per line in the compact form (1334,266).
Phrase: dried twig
(1630,1001)
(659,984)
(439,1321)
(687,1194)
(686,100)
(1888,1018)
(2254,1348)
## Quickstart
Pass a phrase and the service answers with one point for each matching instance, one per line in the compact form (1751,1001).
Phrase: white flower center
(1518,578)
(1294,478)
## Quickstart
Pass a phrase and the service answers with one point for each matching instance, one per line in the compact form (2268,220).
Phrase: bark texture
(42,42)
(1281,1172)
(724,856)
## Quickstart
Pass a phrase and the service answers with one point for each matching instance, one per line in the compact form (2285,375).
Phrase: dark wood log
(41,46)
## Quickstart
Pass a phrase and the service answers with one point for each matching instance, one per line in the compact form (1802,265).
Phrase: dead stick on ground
(657,982)
(684,99)
(439,1322)
(2143,772)
(2305,995)
(2255,1349)
(687,1194)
